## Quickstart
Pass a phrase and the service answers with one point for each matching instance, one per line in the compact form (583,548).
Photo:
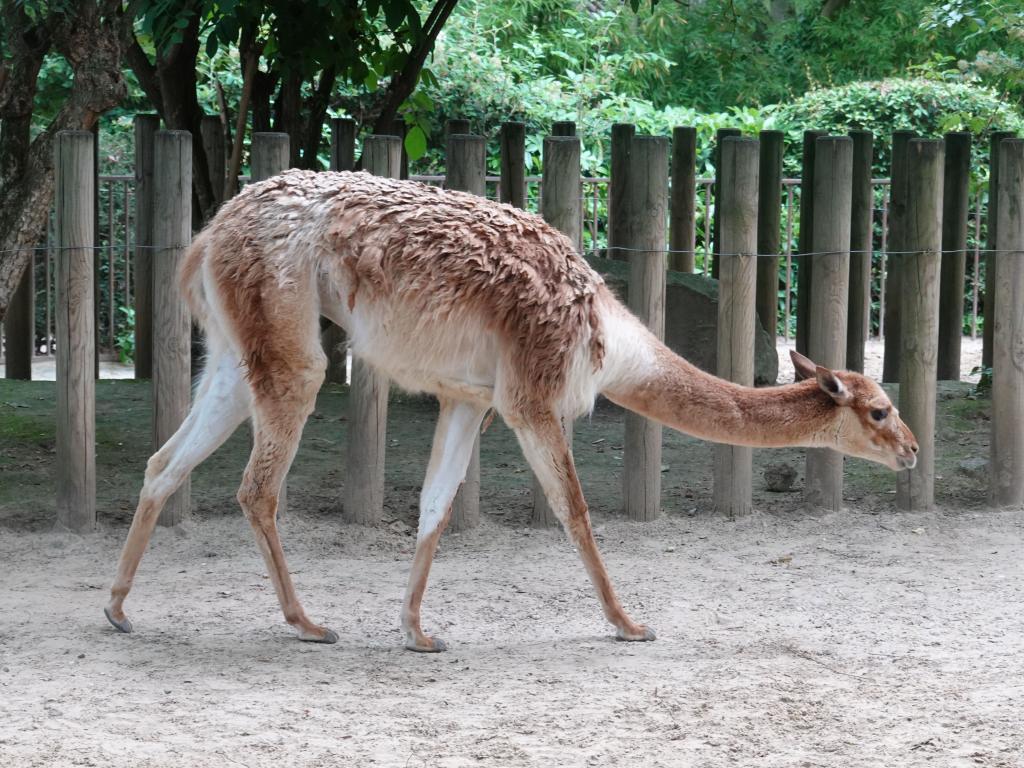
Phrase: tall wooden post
(862,229)
(1007,477)
(805,264)
(368,395)
(271,153)
(682,219)
(563,128)
(172,323)
(343,158)
(146,127)
(399,129)
(921,232)
(716,225)
(513,164)
(467,168)
(769,219)
(996,138)
(830,291)
(212,131)
(76,384)
(955,178)
(621,163)
(644,210)
(737,288)
(897,244)
(97,296)
(20,326)
(562,208)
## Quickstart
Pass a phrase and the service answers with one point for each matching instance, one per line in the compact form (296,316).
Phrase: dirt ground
(787,638)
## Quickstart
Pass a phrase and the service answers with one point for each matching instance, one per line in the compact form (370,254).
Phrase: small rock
(779,478)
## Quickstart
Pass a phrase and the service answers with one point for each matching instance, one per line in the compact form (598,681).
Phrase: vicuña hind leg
(548,453)
(222,403)
(277,427)
(458,424)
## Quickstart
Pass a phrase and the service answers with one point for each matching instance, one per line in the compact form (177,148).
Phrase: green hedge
(928,107)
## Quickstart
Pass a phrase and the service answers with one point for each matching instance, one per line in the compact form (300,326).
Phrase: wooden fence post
(620,165)
(644,210)
(955,178)
(716,224)
(996,138)
(830,291)
(212,131)
(1007,475)
(76,383)
(894,263)
(737,288)
(804,265)
(343,158)
(921,233)
(862,230)
(512,139)
(368,394)
(270,155)
(563,128)
(96,249)
(399,129)
(769,218)
(172,323)
(20,326)
(146,127)
(562,208)
(682,220)
(466,171)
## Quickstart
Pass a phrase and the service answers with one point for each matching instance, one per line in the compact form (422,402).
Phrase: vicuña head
(866,423)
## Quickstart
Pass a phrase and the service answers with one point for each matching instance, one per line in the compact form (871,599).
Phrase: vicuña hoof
(642,635)
(427,645)
(319,635)
(121,625)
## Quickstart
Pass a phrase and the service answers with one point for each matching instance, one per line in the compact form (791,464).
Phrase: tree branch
(403,84)
(145,72)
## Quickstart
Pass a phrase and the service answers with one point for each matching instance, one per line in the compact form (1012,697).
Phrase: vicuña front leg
(546,449)
(457,427)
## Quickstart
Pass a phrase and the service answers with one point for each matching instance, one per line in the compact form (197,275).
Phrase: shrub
(928,107)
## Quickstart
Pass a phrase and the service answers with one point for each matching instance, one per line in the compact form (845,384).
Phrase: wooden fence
(638,207)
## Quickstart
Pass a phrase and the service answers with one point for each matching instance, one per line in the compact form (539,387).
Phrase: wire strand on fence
(585,252)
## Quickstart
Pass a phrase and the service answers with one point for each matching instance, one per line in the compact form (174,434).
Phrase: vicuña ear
(830,383)
(802,366)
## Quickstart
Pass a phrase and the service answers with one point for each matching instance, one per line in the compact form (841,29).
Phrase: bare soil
(788,638)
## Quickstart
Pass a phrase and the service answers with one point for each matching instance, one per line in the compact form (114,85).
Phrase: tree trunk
(88,35)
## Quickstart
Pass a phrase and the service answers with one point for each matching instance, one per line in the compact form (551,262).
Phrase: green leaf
(415,143)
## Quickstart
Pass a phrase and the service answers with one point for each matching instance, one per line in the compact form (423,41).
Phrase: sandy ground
(848,640)
(788,638)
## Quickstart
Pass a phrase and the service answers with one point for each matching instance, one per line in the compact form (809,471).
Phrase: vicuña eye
(879,414)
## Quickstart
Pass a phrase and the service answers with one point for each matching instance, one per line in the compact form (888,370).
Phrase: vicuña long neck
(680,395)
